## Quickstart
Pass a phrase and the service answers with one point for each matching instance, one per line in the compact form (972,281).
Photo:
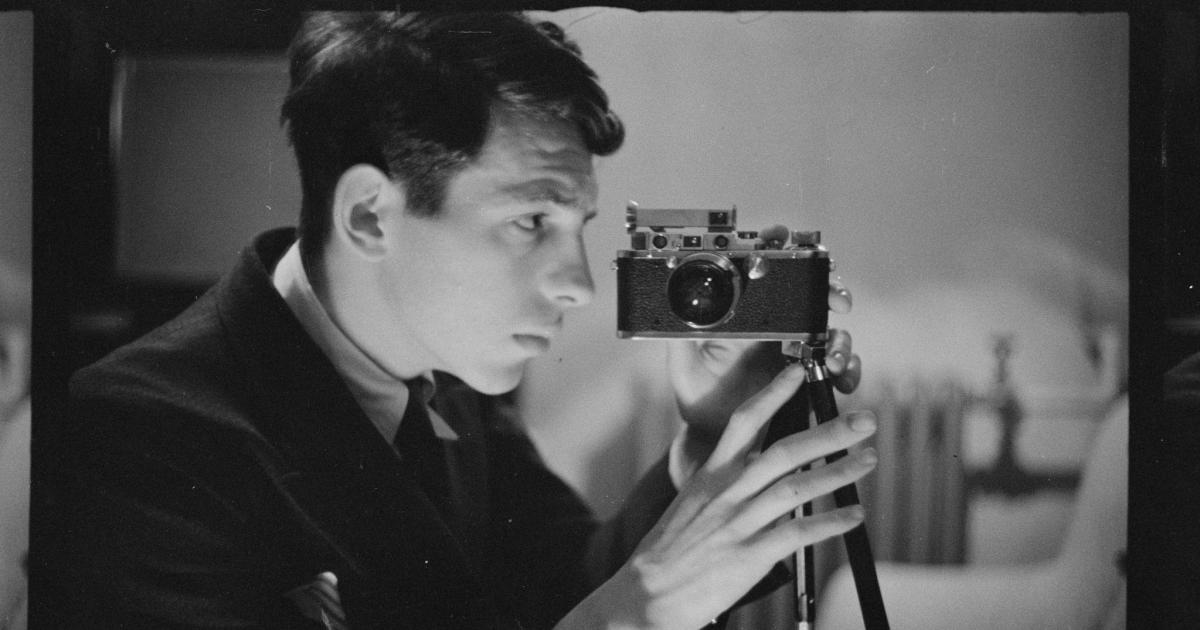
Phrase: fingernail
(836,362)
(854,512)
(868,456)
(862,422)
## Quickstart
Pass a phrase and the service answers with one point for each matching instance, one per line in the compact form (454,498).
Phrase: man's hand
(712,377)
(732,520)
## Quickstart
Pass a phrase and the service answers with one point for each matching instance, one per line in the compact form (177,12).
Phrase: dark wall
(16,137)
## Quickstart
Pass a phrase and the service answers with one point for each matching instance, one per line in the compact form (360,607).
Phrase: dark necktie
(423,451)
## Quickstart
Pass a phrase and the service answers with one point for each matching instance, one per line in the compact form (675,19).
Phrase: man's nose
(569,282)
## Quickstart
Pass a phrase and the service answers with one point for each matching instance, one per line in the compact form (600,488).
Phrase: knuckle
(787,490)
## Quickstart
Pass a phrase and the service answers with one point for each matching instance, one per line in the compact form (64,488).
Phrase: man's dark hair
(412,95)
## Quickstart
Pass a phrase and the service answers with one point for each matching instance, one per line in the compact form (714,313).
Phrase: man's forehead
(543,135)
(518,143)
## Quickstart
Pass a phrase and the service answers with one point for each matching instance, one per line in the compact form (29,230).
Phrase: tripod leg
(858,545)
(806,579)
(793,417)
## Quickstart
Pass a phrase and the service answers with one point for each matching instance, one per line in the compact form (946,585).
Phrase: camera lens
(703,290)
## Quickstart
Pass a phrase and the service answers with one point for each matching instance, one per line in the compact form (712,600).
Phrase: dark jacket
(220,462)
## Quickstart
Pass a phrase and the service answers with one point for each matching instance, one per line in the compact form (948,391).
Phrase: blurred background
(969,173)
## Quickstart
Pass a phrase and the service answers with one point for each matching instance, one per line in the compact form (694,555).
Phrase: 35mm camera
(690,273)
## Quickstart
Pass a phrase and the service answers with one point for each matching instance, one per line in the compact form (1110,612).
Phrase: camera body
(691,274)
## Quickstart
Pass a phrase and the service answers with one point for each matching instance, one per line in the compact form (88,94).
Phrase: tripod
(816,397)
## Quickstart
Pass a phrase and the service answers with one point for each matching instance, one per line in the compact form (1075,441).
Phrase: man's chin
(492,382)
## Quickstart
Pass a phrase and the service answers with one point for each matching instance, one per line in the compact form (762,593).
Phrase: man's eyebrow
(577,193)
(534,186)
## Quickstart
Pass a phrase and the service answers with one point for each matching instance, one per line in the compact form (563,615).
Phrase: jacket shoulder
(191,368)
(184,364)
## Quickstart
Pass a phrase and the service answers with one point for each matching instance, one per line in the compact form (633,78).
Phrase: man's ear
(362,199)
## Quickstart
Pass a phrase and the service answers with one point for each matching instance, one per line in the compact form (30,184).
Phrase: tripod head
(811,354)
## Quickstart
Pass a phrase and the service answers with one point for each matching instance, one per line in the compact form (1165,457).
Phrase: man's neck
(346,298)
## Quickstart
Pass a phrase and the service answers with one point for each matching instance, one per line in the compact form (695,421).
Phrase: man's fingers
(796,450)
(840,342)
(848,381)
(751,416)
(838,348)
(840,300)
(776,543)
(843,364)
(793,490)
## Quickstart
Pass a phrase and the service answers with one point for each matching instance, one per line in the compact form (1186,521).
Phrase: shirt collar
(381,395)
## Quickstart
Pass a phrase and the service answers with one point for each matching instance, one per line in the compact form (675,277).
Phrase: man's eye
(530,223)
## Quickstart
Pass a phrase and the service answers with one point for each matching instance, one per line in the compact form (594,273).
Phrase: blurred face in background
(15,320)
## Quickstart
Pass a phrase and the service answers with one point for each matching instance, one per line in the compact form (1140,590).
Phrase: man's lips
(537,343)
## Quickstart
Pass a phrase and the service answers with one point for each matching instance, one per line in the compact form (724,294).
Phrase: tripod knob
(801,238)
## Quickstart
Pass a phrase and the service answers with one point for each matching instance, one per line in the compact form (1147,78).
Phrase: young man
(268,459)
